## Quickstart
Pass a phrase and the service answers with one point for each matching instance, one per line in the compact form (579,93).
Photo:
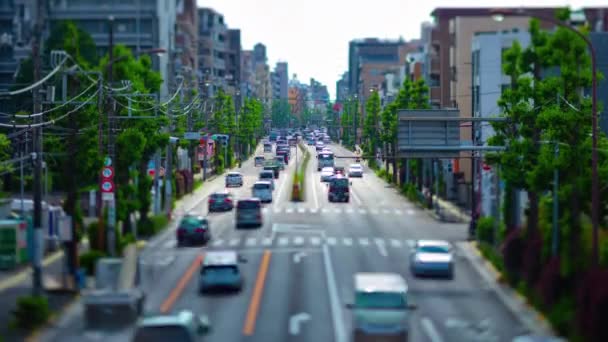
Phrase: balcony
(435,66)
(435,93)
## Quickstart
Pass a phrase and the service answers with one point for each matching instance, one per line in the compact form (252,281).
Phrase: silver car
(234,179)
(432,258)
(355,170)
(327,173)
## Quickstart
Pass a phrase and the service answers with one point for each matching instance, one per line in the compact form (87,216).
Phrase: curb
(21,276)
(35,335)
(517,304)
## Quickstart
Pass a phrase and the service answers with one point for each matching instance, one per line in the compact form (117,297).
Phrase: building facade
(280,82)
(342,90)
(213,47)
(186,39)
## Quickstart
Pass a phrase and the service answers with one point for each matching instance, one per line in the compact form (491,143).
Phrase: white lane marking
(362,211)
(356,197)
(331,241)
(218,242)
(170,244)
(234,242)
(277,210)
(337,211)
(301,210)
(283,181)
(350,210)
(314,194)
(395,243)
(313,210)
(386,211)
(298,240)
(315,240)
(375,211)
(283,241)
(325,210)
(364,242)
(267,241)
(381,247)
(347,241)
(430,330)
(410,243)
(336,306)
(398,212)
(296,320)
(410,212)
(289,210)
(250,242)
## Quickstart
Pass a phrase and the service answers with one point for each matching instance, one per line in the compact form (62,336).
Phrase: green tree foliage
(371,124)
(280,113)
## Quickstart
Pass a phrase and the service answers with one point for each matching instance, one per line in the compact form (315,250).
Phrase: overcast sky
(313,35)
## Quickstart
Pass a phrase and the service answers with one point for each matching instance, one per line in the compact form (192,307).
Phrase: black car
(193,230)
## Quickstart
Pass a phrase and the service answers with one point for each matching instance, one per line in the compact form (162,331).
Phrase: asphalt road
(300,266)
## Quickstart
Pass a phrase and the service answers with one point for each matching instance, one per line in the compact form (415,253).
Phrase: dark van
(339,189)
(249,213)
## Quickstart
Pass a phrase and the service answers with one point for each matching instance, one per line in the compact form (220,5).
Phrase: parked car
(221,201)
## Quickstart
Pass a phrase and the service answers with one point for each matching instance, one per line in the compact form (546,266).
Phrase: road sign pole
(111,233)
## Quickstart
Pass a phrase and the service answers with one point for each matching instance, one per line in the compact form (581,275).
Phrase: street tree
(370,126)
(280,113)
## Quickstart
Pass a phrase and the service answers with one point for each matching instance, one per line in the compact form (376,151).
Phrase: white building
(488,85)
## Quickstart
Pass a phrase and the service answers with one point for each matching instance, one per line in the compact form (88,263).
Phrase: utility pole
(169,162)
(36,58)
(111,233)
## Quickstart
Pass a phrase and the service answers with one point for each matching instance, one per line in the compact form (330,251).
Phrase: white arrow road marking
(267,241)
(283,241)
(315,240)
(250,242)
(234,242)
(395,243)
(298,240)
(217,242)
(298,256)
(381,247)
(430,330)
(363,242)
(331,241)
(347,241)
(296,320)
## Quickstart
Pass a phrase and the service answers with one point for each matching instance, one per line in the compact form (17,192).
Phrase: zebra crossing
(338,211)
(299,241)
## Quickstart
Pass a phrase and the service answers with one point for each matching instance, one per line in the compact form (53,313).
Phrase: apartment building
(280,82)
(342,90)
(186,39)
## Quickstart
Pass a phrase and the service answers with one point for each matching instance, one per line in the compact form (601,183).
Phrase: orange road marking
(181,285)
(256,297)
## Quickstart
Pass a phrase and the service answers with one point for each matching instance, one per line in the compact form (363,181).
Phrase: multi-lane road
(300,266)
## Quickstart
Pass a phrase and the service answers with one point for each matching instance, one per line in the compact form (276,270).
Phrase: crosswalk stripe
(277,210)
(375,211)
(325,210)
(331,241)
(337,211)
(313,210)
(250,242)
(362,211)
(267,241)
(347,241)
(283,241)
(395,243)
(301,210)
(170,243)
(379,241)
(386,211)
(289,210)
(218,242)
(298,240)
(410,212)
(265,210)
(350,210)
(364,242)
(315,240)
(411,243)
(398,212)
(234,242)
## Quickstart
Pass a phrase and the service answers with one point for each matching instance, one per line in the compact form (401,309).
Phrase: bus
(325,159)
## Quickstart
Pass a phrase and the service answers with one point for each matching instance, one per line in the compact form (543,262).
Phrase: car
(268,147)
(193,229)
(263,191)
(259,160)
(249,213)
(183,326)
(319,146)
(220,271)
(339,170)
(338,189)
(220,201)
(234,179)
(274,168)
(380,308)
(432,258)
(311,142)
(280,161)
(327,173)
(355,170)
(267,175)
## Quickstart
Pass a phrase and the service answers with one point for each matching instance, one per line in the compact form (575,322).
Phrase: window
(383,300)
(476,99)
(475,60)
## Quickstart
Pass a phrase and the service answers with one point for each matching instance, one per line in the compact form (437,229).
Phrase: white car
(327,173)
(355,170)
(234,179)
(432,258)
(263,191)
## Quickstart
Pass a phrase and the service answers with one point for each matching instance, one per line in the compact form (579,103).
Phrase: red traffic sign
(107,186)
(151,172)
(486,167)
(107,172)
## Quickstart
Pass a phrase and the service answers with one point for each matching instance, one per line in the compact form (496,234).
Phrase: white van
(381,308)
(263,191)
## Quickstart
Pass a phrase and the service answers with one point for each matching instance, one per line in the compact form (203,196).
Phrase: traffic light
(221,139)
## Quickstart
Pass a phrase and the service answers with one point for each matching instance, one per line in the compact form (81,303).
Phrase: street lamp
(499,15)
